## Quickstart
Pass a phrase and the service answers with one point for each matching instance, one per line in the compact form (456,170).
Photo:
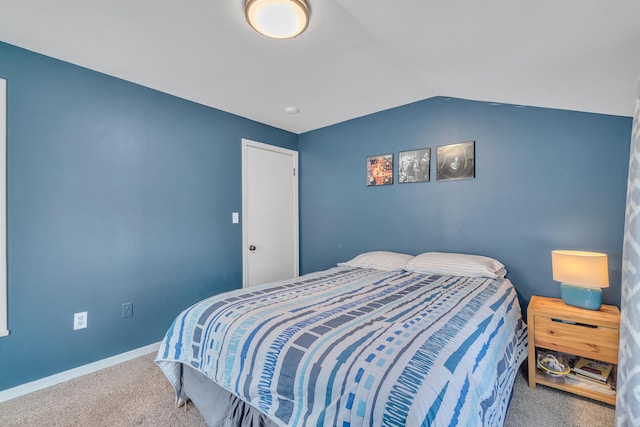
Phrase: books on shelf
(579,377)
(593,369)
(590,384)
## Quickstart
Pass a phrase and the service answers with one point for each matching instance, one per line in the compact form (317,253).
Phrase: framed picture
(380,170)
(456,161)
(413,165)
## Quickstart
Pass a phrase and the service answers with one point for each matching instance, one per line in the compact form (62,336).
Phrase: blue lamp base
(589,298)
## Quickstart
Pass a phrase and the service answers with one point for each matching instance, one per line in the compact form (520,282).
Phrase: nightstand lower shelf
(576,389)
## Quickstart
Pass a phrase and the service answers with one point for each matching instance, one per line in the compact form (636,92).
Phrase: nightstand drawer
(595,342)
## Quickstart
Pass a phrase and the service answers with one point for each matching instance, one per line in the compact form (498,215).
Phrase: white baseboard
(40,384)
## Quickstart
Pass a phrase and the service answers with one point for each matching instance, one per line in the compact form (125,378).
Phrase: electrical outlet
(80,320)
(127,309)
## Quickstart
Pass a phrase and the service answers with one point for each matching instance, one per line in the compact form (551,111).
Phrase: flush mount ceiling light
(278,19)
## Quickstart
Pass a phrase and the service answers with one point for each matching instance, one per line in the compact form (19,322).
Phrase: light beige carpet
(136,393)
(133,393)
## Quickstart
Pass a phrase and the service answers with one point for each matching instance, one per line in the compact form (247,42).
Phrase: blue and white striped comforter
(359,347)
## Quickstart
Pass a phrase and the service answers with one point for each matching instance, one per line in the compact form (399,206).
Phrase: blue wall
(119,193)
(545,179)
(116,193)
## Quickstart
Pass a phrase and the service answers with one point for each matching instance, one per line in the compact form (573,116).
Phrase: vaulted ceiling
(357,56)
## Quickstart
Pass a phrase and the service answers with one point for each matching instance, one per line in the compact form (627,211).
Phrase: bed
(385,339)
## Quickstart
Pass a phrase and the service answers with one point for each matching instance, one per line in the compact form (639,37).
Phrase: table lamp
(581,276)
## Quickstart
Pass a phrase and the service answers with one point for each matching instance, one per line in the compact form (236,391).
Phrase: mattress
(357,347)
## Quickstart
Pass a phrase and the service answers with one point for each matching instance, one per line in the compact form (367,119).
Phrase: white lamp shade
(278,19)
(578,268)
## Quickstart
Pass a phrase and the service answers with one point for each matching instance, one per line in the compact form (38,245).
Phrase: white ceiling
(357,56)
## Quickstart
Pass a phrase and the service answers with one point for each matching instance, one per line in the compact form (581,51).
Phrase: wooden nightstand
(554,325)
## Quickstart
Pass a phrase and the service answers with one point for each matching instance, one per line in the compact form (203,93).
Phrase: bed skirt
(218,407)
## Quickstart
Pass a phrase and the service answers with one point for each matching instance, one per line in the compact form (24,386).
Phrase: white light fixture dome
(278,19)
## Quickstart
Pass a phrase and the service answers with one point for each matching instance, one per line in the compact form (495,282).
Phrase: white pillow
(452,264)
(380,260)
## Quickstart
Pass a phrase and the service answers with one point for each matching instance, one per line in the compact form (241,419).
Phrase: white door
(269,213)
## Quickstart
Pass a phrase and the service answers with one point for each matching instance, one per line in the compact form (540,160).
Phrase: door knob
(252,248)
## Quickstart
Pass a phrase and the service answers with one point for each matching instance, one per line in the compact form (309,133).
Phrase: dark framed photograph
(414,165)
(380,170)
(456,161)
